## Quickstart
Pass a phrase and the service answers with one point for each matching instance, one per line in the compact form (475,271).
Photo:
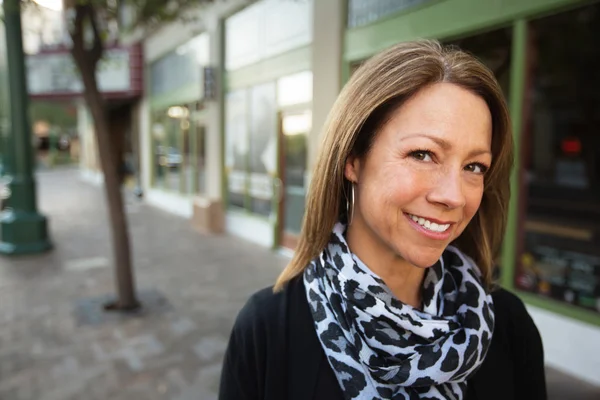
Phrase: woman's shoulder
(260,308)
(508,306)
(515,332)
(265,309)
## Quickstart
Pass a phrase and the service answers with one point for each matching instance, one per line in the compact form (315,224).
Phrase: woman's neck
(404,279)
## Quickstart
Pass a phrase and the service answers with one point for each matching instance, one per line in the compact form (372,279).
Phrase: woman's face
(422,181)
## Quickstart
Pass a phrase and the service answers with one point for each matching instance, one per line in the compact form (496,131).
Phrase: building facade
(241,161)
(546,60)
(268,118)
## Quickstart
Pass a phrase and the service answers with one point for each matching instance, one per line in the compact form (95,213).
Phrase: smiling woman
(389,294)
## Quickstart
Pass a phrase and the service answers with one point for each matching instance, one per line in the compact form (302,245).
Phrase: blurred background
(214,120)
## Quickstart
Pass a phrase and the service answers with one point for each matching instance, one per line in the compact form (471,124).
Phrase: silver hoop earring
(350,205)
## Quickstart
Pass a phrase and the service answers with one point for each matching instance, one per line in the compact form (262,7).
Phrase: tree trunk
(87,61)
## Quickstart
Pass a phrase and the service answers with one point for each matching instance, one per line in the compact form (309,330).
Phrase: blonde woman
(389,293)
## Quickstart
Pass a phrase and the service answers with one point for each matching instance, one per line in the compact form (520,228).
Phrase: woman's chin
(424,258)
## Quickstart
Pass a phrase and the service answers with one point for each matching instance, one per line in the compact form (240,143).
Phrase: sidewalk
(51,350)
(174,353)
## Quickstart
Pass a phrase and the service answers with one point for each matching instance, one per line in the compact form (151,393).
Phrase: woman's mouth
(428,225)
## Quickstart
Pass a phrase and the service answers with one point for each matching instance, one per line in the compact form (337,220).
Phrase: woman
(389,293)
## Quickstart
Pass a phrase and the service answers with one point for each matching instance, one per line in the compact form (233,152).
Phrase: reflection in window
(295,127)
(263,147)
(176,150)
(181,67)
(494,49)
(252,147)
(560,255)
(295,89)
(236,147)
(363,12)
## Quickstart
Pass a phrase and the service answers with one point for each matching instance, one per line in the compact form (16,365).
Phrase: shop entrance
(294,129)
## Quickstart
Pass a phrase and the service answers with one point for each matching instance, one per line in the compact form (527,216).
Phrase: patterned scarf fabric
(380,348)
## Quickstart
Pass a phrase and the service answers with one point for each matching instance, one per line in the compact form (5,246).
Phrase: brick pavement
(176,354)
(173,353)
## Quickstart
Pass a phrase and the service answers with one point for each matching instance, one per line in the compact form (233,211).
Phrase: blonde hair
(375,91)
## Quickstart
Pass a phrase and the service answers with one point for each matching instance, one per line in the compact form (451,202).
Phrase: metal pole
(22,229)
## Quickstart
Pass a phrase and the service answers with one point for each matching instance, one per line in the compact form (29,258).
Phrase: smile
(429,225)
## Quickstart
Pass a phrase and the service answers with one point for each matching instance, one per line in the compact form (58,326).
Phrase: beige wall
(328,28)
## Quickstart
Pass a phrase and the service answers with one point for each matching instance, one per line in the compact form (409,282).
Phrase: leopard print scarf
(380,348)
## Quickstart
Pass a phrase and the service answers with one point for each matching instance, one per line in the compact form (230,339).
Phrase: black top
(274,353)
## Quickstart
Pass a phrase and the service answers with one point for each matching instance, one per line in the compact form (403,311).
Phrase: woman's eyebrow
(444,144)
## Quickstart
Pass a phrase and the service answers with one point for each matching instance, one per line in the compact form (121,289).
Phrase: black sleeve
(244,362)
(528,353)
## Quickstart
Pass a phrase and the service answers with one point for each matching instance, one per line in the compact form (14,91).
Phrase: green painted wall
(444,19)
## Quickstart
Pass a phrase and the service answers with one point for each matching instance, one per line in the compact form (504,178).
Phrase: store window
(178,137)
(263,148)
(181,67)
(559,255)
(252,143)
(494,49)
(236,147)
(363,12)
(251,153)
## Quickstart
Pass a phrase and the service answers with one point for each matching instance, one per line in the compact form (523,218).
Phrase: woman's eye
(421,155)
(477,168)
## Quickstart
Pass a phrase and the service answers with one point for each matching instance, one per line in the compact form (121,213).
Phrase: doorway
(294,129)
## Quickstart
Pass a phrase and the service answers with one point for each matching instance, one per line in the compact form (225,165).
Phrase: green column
(517,98)
(22,229)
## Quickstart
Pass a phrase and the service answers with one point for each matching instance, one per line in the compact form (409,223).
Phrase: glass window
(295,89)
(158,145)
(363,12)
(494,49)
(263,147)
(295,128)
(252,146)
(560,229)
(178,149)
(172,157)
(180,68)
(236,146)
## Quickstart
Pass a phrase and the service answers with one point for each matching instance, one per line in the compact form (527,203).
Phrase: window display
(559,253)
(178,149)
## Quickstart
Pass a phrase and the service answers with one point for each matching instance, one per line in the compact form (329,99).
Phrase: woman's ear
(352,168)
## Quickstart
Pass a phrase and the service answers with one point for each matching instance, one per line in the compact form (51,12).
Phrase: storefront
(268,119)
(176,136)
(52,76)
(545,54)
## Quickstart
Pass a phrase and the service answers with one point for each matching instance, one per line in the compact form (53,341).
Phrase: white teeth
(432,226)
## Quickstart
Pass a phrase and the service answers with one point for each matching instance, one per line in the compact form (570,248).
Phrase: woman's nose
(448,190)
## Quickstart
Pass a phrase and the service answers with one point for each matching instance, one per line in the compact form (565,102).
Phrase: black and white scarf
(380,348)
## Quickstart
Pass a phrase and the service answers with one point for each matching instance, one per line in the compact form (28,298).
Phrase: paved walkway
(51,350)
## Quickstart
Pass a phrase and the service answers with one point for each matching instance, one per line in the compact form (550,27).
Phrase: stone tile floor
(174,351)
